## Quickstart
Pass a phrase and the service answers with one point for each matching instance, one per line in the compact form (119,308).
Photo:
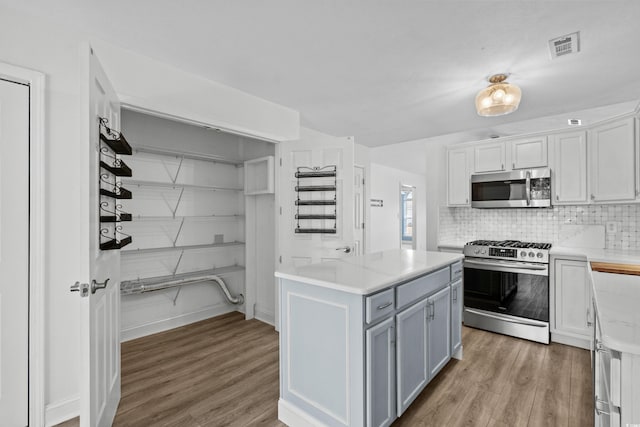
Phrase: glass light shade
(498,99)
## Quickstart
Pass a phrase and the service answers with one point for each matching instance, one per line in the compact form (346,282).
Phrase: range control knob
(523,253)
(483,251)
(476,251)
(531,254)
(539,255)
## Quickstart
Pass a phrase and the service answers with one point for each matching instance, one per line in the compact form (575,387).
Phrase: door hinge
(362,181)
(363,225)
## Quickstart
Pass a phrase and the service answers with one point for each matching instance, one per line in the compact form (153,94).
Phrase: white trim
(141,105)
(266,316)
(294,417)
(36,82)
(173,322)
(62,411)
(572,340)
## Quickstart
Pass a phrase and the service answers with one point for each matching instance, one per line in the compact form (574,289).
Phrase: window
(406,215)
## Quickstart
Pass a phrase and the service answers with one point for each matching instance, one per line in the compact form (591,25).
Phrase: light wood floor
(224,372)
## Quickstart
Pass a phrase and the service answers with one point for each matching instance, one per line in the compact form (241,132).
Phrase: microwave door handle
(528,188)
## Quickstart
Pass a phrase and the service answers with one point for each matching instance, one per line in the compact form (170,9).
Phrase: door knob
(345,249)
(95,285)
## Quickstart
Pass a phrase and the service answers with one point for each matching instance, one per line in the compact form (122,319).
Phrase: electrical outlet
(612,227)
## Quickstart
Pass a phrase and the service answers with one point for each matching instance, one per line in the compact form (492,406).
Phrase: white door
(359,208)
(14,253)
(100,375)
(332,238)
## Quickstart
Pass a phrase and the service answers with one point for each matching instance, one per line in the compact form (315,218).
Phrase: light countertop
(617,298)
(620,256)
(366,274)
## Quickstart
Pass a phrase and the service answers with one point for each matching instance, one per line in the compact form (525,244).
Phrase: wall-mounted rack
(112,144)
(315,208)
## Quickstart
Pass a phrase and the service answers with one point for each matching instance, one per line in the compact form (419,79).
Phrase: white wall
(436,189)
(157,86)
(385,221)
(261,238)
(54,50)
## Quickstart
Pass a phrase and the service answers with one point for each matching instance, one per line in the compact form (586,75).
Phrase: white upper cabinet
(458,176)
(529,153)
(490,157)
(612,160)
(569,168)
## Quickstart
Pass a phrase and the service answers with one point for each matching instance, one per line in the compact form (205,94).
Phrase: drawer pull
(385,305)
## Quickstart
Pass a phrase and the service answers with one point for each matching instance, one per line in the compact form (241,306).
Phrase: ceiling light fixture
(499,98)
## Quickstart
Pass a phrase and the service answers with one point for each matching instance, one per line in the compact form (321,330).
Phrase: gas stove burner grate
(511,244)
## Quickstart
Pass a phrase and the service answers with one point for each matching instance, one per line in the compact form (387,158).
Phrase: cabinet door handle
(589,322)
(593,197)
(466,200)
(385,305)
(557,197)
(514,166)
(502,166)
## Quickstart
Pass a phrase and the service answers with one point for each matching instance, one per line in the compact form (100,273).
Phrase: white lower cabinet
(439,331)
(423,345)
(456,316)
(412,353)
(381,374)
(573,316)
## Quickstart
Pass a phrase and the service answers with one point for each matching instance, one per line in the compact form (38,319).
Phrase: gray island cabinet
(361,337)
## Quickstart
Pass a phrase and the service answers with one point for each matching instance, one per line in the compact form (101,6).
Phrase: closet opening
(201,238)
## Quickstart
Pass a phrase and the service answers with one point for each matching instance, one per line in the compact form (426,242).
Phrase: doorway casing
(36,82)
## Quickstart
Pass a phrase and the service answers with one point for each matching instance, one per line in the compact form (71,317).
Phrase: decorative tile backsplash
(541,225)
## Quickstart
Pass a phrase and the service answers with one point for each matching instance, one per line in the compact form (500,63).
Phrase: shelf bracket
(175,210)
(175,241)
(177,295)
(175,178)
(175,270)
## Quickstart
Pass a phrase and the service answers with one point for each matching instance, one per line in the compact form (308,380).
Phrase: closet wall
(188,215)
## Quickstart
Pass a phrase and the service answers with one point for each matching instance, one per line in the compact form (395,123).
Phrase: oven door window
(517,294)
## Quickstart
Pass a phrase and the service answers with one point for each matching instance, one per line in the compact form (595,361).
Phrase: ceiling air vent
(574,122)
(565,45)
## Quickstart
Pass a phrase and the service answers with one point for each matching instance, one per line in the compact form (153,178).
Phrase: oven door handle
(540,270)
(497,316)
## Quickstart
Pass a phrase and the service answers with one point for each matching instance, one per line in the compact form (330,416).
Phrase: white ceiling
(384,71)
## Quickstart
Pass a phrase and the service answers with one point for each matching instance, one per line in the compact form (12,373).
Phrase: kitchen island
(361,337)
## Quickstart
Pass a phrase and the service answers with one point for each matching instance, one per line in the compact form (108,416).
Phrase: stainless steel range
(506,288)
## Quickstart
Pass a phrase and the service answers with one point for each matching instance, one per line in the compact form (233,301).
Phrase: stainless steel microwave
(526,188)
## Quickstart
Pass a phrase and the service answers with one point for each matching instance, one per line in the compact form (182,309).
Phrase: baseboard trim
(572,341)
(173,322)
(61,411)
(293,417)
(265,316)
